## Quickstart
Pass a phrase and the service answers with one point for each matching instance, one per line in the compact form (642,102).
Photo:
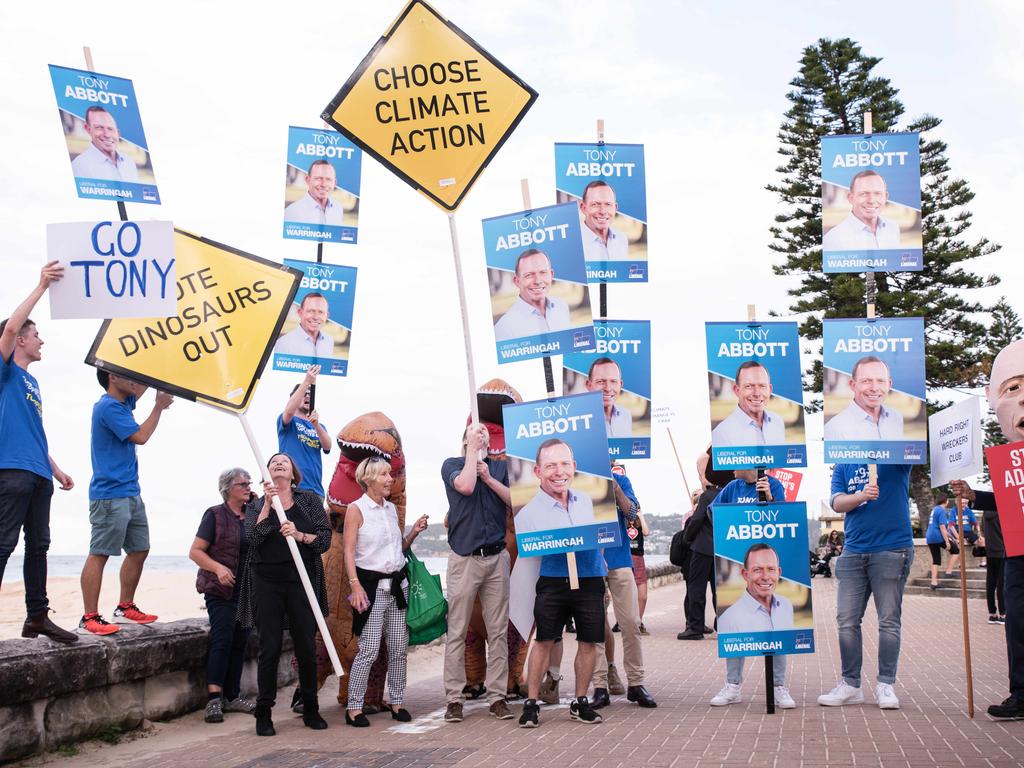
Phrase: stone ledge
(56,694)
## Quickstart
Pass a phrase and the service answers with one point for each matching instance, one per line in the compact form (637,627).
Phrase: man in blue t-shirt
(556,602)
(301,435)
(117,515)
(876,560)
(26,468)
(746,487)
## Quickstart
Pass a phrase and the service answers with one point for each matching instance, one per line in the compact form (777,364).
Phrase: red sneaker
(94,624)
(129,613)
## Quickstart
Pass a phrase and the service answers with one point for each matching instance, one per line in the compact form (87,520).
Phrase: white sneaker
(782,698)
(885,697)
(730,694)
(840,695)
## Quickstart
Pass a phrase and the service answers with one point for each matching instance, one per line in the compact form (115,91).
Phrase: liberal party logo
(913,453)
(639,449)
(909,260)
(337,366)
(580,339)
(802,640)
(605,535)
(636,271)
(794,456)
(149,194)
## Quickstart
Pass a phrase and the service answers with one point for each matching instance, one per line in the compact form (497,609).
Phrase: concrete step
(951,581)
(917,589)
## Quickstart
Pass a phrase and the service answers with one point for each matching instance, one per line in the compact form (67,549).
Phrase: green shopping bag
(427,605)
(434,631)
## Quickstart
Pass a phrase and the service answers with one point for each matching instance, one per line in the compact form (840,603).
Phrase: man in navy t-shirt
(876,560)
(301,435)
(117,515)
(26,468)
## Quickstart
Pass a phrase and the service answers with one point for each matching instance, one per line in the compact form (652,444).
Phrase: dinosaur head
(372,434)
(490,398)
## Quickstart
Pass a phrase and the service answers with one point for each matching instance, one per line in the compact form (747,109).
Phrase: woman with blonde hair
(375,562)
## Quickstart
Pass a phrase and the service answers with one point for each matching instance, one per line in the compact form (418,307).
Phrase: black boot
(264,725)
(311,714)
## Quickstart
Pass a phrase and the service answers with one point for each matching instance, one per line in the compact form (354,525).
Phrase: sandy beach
(171,596)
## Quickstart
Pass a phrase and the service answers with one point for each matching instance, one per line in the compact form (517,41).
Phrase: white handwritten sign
(113,269)
(954,441)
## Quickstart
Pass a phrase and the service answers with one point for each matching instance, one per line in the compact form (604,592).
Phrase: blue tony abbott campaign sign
(756,392)
(103,130)
(538,283)
(621,366)
(321,186)
(563,502)
(614,212)
(874,391)
(871,203)
(318,330)
(764,579)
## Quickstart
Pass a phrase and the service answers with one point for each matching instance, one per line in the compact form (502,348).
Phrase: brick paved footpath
(931,728)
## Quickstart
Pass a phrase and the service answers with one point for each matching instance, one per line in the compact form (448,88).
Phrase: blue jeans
(25,503)
(734,669)
(861,575)
(225,654)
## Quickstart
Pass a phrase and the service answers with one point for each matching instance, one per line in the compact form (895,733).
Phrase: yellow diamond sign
(231,306)
(431,104)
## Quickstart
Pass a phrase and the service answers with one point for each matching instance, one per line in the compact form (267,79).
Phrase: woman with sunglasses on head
(374,558)
(271,588)
(219,550)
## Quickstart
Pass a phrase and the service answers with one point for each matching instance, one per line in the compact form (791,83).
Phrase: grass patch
(66,750)
(110,735)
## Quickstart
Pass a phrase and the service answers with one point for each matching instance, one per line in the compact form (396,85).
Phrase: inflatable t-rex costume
(490,398)
(372,434)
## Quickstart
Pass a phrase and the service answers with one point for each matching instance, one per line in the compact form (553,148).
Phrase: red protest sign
(1006,467)
(790,481)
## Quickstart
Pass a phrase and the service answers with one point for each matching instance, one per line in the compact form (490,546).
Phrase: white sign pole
(473,405)
(294,549)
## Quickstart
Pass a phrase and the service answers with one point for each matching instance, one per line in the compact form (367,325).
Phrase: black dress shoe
(640,695)
(359,721)
(41,625)
(600,698)
(708,630)
(401,714)
(1011,709)
(264,724)
(689,636)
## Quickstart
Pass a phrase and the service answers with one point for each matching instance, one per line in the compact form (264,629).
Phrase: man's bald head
(1006,390)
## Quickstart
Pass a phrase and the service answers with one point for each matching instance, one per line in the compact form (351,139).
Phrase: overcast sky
(701,85)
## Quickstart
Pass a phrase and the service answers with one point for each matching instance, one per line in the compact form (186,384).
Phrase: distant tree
(832,91)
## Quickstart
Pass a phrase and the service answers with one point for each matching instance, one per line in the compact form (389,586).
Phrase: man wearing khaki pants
(622,588)
(478,503)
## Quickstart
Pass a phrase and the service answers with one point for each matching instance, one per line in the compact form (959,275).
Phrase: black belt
(487,550)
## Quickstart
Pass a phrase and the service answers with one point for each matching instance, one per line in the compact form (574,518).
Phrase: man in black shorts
(555,604)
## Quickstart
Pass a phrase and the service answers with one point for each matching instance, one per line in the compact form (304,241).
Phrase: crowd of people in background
(257,553)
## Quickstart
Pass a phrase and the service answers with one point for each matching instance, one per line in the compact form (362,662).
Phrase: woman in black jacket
(271,588)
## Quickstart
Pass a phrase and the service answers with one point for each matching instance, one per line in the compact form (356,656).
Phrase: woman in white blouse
(375,562)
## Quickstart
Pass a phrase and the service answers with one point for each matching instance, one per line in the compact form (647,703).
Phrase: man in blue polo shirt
(26,468)
(301,435)
(117,515)
(876,560)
